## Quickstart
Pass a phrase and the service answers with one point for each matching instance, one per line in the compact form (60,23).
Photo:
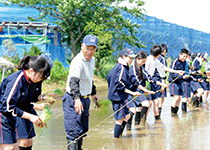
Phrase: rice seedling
(50,100)
(46,115)
(58,91)
(105,107)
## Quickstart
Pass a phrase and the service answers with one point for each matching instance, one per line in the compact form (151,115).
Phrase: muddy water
(189,131)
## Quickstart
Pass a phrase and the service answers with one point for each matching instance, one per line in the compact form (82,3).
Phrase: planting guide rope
(110,116)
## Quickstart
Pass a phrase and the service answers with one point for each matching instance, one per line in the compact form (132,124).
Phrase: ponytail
(38,63)
(24,63)
(140,55)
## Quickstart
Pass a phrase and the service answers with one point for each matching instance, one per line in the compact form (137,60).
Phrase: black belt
(85,97)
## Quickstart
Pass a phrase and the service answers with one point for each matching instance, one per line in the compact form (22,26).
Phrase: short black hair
(184,51)
(194,55)
(163,47)
(155,50)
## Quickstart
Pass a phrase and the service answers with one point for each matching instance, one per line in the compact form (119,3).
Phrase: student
(15,97)
(79,87)
(143,83)
(187,82)
(205,83)
(118,83)
(157,70)
(164,50)
(195,85)
(24,127)
(137,73)
(207,78)
(180,86)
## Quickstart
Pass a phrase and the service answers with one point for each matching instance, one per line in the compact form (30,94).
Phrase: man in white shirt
(79,86)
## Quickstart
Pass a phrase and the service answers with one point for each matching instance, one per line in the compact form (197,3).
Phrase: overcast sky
(189,13)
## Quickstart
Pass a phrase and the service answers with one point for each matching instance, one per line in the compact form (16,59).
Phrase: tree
(9,48)
(77,18)
(33,51)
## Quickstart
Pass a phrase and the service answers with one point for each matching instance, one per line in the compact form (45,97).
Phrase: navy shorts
(205,85)
(175,89)
(186,90)
(121,113)
(7,130)
(154,87)
(75,124)
(194,85)
(137,101)
(25,128)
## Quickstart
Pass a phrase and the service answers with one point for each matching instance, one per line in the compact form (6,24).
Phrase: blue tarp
(21,14)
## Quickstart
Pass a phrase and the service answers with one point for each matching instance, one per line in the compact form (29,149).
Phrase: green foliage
(203,67)
(147,85)
(33,51)
(58,71)
(105,65)
(15,59)
(6,73)
(58,91)
(76,18)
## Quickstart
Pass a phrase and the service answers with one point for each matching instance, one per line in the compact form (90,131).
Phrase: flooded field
(188,131)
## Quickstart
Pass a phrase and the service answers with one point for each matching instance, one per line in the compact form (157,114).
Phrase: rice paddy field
(188,131)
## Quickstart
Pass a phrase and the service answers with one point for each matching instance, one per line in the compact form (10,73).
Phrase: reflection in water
(189,131)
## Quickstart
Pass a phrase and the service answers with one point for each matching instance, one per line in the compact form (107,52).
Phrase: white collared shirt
(151,64)
(83,69)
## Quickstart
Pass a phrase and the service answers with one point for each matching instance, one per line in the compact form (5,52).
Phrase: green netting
(35,39)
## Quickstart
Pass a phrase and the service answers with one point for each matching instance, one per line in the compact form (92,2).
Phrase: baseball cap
(49,60)
(128,52)
(90,40)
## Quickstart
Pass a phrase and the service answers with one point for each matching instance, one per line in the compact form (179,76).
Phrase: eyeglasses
(91,48)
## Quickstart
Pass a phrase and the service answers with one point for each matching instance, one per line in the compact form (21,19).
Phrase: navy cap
(90,40)
(128,52)
(49,60)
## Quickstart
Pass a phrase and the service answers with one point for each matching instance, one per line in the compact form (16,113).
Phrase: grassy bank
(60,86)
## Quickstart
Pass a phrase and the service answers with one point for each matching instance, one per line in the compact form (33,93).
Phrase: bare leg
(9,146)
(156,104)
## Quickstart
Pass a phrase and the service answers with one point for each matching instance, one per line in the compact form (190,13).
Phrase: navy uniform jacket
(16,95)
(118,81)
(162,60)
(176,64)
(135,79)
(197,66)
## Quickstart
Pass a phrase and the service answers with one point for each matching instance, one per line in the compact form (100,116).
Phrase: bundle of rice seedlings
(46,115)
(50,100)
(105,107)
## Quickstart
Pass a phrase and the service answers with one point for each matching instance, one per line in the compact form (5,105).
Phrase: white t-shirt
(151,64)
